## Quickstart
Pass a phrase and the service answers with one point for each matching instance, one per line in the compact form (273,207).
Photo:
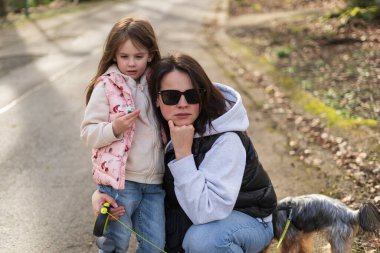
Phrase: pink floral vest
(109,161)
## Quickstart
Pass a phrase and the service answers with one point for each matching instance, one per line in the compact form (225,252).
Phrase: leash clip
(290,215)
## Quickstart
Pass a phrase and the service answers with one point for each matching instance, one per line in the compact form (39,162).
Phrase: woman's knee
(199,239)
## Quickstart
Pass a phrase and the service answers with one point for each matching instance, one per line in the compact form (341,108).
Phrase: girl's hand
(124,121)
(98,199)
(182,139)
(116,212)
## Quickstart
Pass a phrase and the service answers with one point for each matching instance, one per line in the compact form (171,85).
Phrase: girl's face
(182,113)
(132,61)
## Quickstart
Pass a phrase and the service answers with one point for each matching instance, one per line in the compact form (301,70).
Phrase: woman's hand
(182,139)
(98,199)
(124,121)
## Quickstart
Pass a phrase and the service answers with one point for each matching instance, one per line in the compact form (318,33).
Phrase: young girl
(120,125)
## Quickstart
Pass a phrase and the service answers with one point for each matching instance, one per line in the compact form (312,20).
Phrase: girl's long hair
(212,103)
(142,35)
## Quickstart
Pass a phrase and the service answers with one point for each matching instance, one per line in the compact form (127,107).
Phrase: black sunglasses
(172,97)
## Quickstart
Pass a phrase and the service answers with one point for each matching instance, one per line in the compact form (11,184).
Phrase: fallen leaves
(338,63)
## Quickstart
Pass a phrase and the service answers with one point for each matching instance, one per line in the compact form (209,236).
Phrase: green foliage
(257,7)
(18,5)
(367,13)
(34,3)
(283,53)
(246,3)
(307,85)
(15,5)
(364,3)
(365,9)
(243,2)
(332,116)
(325,109)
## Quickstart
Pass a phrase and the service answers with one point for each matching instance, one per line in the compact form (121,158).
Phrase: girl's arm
(96,130)
(210,193)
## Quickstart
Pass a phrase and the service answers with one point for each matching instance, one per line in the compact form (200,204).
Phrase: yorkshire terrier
(314,213)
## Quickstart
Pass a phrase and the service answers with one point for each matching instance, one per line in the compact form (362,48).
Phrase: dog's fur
(318,213)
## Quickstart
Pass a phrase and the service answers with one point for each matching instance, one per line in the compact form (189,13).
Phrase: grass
(298,90)
(311,104)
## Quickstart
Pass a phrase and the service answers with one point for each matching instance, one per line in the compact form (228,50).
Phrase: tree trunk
(3,8)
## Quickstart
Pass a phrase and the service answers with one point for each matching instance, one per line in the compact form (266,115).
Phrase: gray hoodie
(209,193)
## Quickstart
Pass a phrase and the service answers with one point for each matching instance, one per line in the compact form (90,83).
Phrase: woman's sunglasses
(172,97)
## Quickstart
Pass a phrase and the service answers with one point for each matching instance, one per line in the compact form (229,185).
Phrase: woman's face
(182,113)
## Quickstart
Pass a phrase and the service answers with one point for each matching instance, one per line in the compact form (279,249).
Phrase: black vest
(256,198)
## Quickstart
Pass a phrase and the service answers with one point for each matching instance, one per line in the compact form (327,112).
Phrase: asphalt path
(45,65)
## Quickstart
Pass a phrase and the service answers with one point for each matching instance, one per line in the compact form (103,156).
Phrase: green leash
(102,222)
(103,217)
(285,230)
(130,229)
(283,234)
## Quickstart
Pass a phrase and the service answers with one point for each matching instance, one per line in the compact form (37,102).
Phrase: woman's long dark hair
(212,103)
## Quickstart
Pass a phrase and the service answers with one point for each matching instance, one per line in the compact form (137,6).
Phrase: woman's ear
(157,103)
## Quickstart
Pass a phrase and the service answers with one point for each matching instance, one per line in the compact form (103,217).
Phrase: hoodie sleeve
(210,193)
(96,130)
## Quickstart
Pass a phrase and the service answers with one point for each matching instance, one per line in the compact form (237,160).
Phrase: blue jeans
(238,233)
(145,214)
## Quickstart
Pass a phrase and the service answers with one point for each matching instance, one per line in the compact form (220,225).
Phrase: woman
(218,196)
